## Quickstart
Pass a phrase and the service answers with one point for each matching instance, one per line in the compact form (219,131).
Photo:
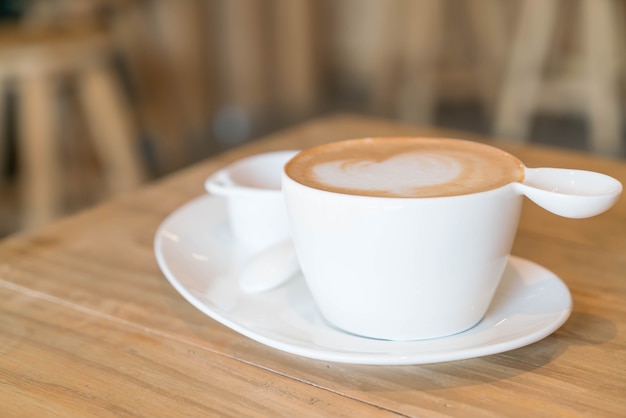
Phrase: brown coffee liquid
(405,167)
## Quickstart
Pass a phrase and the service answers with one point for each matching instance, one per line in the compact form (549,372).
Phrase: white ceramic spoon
(269,268)
(565,192)
(570,193)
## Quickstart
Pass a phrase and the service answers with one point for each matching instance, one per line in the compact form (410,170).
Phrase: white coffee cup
(406,268)
(252,187)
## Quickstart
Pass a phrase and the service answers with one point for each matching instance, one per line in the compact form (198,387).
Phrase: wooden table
(90,326)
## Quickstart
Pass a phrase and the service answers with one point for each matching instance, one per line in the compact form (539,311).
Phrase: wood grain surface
(89,326)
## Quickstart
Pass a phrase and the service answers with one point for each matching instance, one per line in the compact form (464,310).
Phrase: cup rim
(397,199)
(523,168)
(221,184)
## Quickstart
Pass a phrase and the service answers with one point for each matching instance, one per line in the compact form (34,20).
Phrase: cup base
(399,337)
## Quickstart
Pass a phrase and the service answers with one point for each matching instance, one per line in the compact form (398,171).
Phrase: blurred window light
(231,125)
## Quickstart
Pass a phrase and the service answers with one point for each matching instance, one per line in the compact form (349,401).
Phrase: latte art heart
(405,167)
(401,174)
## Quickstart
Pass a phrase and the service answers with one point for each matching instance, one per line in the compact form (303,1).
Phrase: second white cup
(252,187)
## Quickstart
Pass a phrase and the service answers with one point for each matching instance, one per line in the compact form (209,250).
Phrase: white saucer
(199,257)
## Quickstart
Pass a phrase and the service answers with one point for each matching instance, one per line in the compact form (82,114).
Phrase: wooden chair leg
(488,24)
(245,56)
(184,37)
(386,20)
(524,73)
(3,129)
(41,170)
(294,44)
(157,98)
(601,52)
(423,36)
(110,122)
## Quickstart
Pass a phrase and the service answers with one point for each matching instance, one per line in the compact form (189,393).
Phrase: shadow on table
(581,329)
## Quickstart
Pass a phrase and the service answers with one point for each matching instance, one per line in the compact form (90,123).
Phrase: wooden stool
(596,93)
(268,58)
(36,61)
(407,82)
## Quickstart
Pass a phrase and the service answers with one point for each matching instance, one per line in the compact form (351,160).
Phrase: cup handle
(219,184)
(570,193)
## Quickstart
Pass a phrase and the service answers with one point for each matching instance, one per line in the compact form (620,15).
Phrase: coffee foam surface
(405,167)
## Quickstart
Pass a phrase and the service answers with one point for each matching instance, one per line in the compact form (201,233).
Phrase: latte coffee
(405,167)
(426,261)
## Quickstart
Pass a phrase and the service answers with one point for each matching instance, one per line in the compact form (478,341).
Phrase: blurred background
(100,96)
